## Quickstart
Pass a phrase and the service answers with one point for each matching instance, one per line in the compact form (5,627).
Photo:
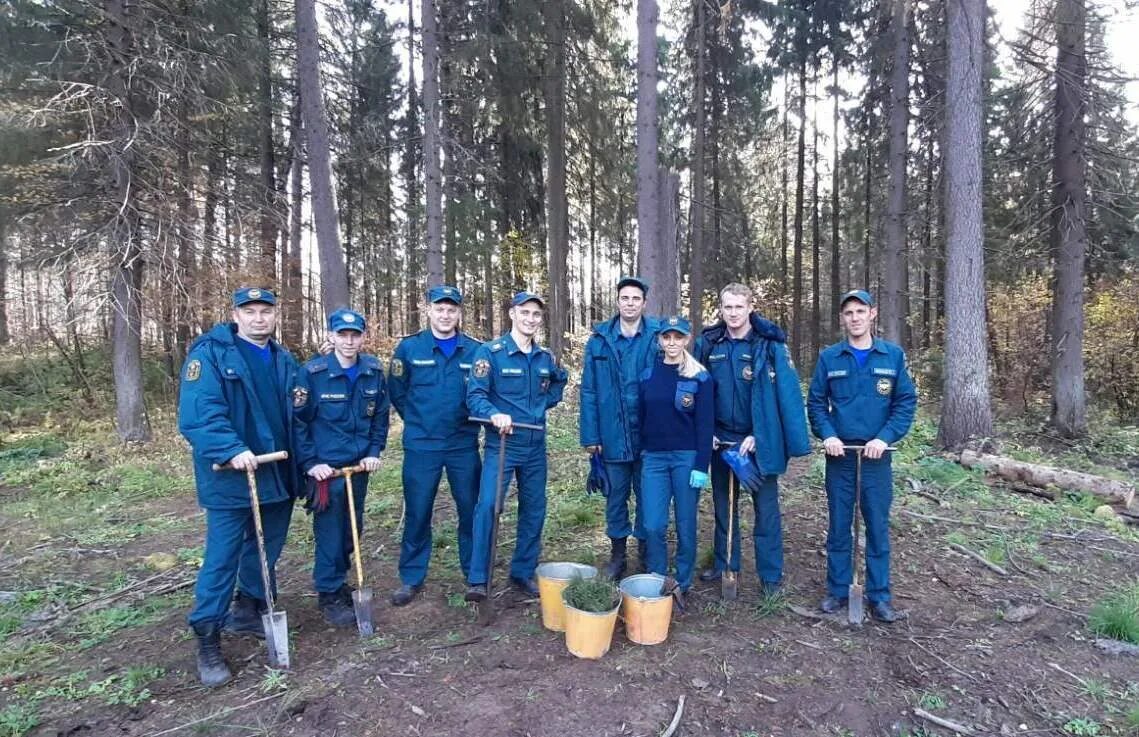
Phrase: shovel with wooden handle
(729,579)
(361,597)
(279,455)
(486,608)
(854,610)
(275,622)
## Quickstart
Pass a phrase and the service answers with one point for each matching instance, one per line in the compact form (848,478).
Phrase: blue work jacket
(856,405)
(220,415)
(429,391)
(337,421)
(757,391)
(506,380)
(608,414)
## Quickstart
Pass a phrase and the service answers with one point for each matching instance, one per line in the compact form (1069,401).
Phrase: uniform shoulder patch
(193,370)
(316,365)
(482,368)
(495,347)
(396,367)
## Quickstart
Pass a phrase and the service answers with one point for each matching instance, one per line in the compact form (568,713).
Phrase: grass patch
(1117,617)
(770,605)
(17,720)
(98,627)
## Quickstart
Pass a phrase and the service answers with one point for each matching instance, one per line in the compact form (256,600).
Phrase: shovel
(361,597)
(275,623)
(486,609)
(854,612)
(729,583)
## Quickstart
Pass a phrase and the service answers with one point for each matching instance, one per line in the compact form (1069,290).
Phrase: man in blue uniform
(861,394)
(340,407)
(428,380)
(233,405)
(616,354)
(513,380)
(759,408)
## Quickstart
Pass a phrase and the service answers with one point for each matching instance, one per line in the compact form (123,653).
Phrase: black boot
(212,670)
(336,606)
(245,616)
(617,558)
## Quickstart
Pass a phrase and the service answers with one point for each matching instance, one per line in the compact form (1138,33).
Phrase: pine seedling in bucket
(591,615)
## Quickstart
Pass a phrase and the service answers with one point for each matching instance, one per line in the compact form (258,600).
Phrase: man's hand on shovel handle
(833,447)
(321,471)
(502,422)
(371,463)
(875,449)
(244,461)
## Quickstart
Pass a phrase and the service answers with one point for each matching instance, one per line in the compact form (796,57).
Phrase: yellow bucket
(552,579)
(647,614)
(589,634)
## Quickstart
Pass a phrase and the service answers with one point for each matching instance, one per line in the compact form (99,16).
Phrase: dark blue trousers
(877,495)
(767,532)
(624,478)
(664,482)
(231,557)
(526,462)
(333,536)
(422,471)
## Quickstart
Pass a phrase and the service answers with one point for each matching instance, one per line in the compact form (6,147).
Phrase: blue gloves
(598,481)
(697,479)
(744,468)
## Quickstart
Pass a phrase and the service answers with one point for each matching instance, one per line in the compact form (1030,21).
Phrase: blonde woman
(676,414)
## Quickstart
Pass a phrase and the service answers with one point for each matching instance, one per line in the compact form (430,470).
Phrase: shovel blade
(362,604)
(854,613)
(729,587)
(277,638)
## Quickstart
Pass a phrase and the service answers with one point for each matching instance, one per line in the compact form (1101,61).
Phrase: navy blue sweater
(677,413)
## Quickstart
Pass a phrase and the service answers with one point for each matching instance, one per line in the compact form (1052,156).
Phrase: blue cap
(633,281)
(444,293)
(346,319)
(245,295)
(676,324)
(524,297)
(859,294)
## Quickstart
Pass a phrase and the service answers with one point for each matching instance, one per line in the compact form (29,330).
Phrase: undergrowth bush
(1117,617)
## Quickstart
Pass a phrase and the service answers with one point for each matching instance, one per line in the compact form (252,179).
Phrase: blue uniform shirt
(732,364)
(612,367)
(223,411)
(506,380)
(861,403)
(429,390)
(335,420)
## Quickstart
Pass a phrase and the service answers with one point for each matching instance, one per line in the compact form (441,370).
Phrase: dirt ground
(751,667)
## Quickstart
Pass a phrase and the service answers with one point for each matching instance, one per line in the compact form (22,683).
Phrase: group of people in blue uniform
(659,416)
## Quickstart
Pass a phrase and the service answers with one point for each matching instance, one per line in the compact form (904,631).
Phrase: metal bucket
(647,614)
(552,580)
(589,634)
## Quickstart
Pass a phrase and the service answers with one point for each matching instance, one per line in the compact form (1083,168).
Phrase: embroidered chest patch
(193,370)
(482,368)
(884,386)
(300,396)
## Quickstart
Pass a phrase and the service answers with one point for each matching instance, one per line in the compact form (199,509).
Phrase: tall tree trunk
(411,158)
(965,408)
(333,270)
(797,248)
(784,272)
(126,277)
(650,257)
(293,325)
(836,286)
(1069,221)
(666,282)
(890,315)
(557,204)
(816,230)
(266,270)
(5,335)
(183,286)
(699,193)
(432,177)
(928,254)
(204,294)
(867,198)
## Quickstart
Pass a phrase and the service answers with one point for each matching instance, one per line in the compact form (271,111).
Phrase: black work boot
(404,594)
(525,585)
(615,569)
(832,603)
(245,616)
(710,574)
(883,612)
(212,670)
(337,608)
(476,593)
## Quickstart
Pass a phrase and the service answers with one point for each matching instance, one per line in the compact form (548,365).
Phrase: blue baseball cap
(633,281)
(524,297)
(444,293)
(245,295)
(859,294)
(676,324)
(346,319)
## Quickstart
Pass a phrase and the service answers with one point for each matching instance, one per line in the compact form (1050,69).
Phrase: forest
(974,164)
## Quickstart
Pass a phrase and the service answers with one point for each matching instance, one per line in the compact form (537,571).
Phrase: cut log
(1033,474)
